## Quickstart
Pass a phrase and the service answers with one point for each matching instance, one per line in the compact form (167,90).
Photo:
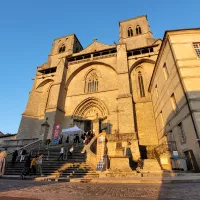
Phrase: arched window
(61,49)
(130,32)
(141,84)
(92,83)
(138,30)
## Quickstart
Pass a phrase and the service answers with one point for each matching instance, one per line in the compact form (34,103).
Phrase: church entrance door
(87,125)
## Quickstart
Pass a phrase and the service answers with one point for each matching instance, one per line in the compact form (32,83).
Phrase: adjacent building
(175,91)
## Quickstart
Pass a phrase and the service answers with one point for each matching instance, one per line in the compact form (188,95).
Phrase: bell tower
(135,32)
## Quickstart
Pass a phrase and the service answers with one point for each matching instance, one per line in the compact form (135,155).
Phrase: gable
(95,46)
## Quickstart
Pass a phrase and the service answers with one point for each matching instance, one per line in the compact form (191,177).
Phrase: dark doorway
(191,161)
(143,152)
(87,125)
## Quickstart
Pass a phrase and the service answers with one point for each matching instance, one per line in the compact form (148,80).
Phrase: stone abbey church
(105,87)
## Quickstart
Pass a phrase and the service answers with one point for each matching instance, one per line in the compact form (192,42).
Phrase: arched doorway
(90,114)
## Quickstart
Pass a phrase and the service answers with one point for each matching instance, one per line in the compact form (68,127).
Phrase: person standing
(47,143)
(61,153)
(22,155)
(39,164)
(14,157)
(67,140)
(71,150)
(2,162)
(33,165)
(26,169)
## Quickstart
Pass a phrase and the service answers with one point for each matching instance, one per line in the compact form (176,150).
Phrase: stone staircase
(74,167)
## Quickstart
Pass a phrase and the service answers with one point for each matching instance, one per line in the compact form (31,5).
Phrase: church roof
(95,46)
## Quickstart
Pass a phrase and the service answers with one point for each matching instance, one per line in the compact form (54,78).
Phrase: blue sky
(27,29)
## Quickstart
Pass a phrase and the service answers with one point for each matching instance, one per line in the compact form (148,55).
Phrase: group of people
(21,157)
(32,164)
(87,137)
(69,153)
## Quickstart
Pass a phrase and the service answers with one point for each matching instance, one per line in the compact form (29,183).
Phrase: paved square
(29,190)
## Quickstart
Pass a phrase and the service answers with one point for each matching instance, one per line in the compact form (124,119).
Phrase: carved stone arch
(83,109)
(85,66)
(90,70)
(140,62)
(139,68)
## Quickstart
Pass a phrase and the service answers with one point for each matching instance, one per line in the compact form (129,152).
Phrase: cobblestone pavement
(29,190)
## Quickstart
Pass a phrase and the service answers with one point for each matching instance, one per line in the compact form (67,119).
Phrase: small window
(161,119)
(138,30)
(165,71)
(173,102)
(61,49)
(130,32)
(141,84)
(170,136)
(197,48)
(181,133)
(156,90)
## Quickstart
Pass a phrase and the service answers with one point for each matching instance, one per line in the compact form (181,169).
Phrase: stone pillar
(96,126)
(125,105)
(44,131)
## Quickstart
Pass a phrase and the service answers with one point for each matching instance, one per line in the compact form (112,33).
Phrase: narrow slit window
(141,84)
(165,71)
(173,102)
(181,133)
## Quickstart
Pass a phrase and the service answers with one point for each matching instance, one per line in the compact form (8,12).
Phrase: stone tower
(45,99)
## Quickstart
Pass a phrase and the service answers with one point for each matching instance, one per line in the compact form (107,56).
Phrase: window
(165,71)
(92,83)
(141,84)
(170,136)
(156,90)
(197,48)
(138,30)
(173,102)
(181,133)
(61,49)
(161,119)
(130,32)
(48,71)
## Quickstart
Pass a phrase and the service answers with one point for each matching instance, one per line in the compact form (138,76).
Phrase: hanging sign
(56,134)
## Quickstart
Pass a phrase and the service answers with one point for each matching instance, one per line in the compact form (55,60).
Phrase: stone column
(125,104)
(96,125)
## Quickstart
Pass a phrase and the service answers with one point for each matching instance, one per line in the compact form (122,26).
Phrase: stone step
(83,176)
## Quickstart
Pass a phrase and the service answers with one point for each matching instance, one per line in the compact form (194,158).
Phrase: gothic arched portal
(90,108)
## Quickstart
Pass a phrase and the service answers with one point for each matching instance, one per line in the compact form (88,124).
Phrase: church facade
(101,87)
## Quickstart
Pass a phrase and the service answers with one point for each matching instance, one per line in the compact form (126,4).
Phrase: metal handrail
(29,147)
